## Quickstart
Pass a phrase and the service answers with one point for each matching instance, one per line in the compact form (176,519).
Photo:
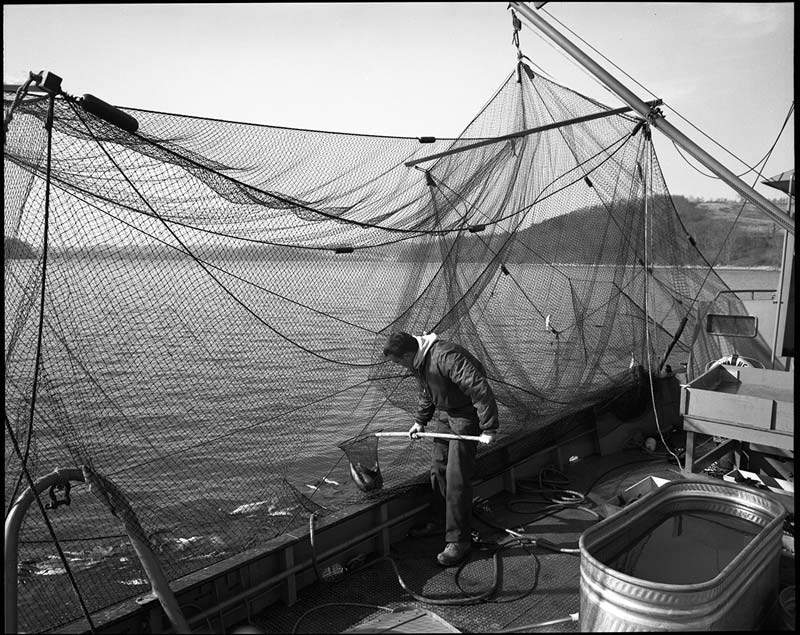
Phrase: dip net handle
(435,435)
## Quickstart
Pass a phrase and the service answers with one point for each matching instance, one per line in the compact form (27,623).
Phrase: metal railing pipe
(149,561)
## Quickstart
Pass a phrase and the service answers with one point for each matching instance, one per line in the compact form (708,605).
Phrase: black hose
(462,601)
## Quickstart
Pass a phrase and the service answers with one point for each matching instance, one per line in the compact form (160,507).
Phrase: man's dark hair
(400,343)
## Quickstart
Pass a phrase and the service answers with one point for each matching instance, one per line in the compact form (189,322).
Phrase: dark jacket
(454,381)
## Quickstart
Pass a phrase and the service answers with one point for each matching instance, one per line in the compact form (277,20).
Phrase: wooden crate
(744,403)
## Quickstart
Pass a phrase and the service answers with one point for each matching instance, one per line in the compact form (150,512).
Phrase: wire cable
(651,93)
(750,169)
(729,232)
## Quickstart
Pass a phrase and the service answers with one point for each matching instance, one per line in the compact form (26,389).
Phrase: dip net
(196,310)
(365,468)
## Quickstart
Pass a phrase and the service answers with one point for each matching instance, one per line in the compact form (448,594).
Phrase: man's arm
(425,407)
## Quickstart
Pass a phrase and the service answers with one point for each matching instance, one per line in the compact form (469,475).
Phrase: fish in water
(366,479)
(323,481)
(268,506)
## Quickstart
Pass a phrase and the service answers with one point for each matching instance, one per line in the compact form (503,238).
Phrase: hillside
(755,241)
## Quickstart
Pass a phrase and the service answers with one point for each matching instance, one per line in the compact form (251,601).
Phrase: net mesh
(216,296)
(362,455)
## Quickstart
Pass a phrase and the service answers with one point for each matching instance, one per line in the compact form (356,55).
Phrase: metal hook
(53,493)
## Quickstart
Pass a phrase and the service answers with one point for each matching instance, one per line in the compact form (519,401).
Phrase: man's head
(401,348)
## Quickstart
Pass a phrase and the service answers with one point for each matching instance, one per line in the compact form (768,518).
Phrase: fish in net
(362,453)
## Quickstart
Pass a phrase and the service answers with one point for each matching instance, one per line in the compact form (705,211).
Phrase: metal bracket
(53,493)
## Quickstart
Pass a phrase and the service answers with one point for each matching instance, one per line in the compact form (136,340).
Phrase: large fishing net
(196,311)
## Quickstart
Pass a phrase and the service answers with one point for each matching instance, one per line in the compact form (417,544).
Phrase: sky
(426,68)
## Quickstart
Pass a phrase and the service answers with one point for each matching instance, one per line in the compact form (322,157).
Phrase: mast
(657,120)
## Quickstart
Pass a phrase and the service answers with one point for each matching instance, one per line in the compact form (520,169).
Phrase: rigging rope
(730,228)
(42,297)
(648,249)
(761,161)
(642,86)
(190,253)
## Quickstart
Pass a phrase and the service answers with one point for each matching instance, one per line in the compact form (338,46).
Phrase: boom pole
(523,133)
(656,119)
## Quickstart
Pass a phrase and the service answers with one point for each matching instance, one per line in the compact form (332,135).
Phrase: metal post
(787,259)
(12,526)
(657,120)
(148,559)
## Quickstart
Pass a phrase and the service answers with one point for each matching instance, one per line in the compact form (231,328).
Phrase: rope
(516,540)
(221,270)
(190,253)
(42,297)
(643,87)
(730,228)
(463,601)
(648,236)
(564,26)
(517,25)
(750,169)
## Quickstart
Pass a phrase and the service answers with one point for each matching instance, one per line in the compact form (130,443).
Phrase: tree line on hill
(754,241)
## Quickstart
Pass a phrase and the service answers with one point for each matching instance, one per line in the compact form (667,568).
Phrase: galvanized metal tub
(691,555)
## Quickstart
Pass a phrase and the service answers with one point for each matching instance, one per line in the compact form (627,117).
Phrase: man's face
(406,360)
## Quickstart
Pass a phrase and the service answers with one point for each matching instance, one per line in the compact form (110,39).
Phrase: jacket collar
(425,342)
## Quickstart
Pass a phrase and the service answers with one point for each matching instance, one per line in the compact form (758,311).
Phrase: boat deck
(504,586)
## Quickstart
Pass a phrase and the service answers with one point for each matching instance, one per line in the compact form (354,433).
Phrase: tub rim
(731,492)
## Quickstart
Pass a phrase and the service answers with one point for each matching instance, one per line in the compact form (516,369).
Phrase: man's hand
(412,432)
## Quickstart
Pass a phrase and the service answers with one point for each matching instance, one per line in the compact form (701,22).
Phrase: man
(453,381)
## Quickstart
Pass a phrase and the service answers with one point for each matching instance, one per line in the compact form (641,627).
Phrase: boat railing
(751,293)
(119,507)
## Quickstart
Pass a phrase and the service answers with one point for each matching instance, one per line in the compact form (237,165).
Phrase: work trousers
(452,468)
